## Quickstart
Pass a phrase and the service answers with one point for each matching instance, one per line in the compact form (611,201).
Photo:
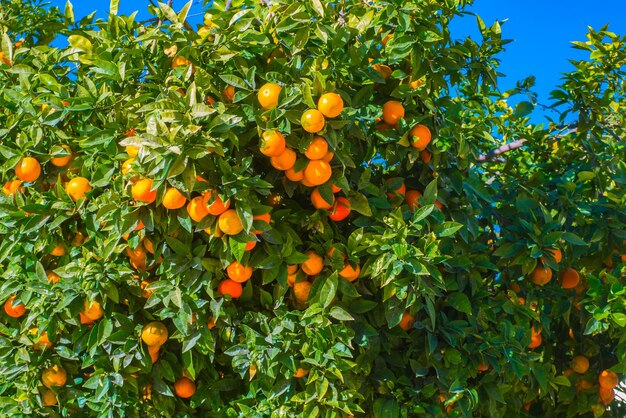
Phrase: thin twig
(228,4)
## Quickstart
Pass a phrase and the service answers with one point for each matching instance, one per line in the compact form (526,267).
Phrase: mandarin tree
(305,209)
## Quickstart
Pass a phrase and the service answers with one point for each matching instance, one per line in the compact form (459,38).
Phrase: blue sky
(541,30)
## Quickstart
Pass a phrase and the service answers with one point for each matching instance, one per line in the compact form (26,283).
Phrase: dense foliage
(149,168)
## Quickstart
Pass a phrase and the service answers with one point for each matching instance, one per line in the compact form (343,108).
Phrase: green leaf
(340,314)
(460,302)
(447,228)
(619,318)
(114,7)
(523,109)
(69,11)
(359,203)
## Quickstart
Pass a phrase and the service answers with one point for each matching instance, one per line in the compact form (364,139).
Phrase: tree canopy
(305,209)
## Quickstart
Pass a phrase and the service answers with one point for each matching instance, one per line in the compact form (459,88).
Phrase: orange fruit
(301,291)
(197,209)
(145,292)
(284,161)
(411,197)
(211,323)
(557,253)
(54,376)
(229,222)
(250,245)
(482,367)
(43,342)
(317,172)
(141,191)
(541,275)
(535,338)
(272,143)
(294,175)
(173,199)
(306,183)
(580,364)
(292,269)
(184,387)
(238,272)
(131,150)
(317,148)
(318,201)
(393,111)
(300,373)
(231,288)
(268,95)
(77,187)
(137,257)
(341,209)
(153,350)
(425,156)
(126,165)
(350,273)
(210,101)
(570,279)
(606,395)
(53,277)
(28,169)
(11,187)
(398,192)
(14,311)
(154,334)
(420,137)
(312,121)
(180,61)
(313,265)
(58,250)
(608,379)
(335,189)
(328,157)
(92,310)
(228,94)
(218,206)
(583,385)
(386,39)
(384,70)
(147,244)
(407,320)
(48,397)
(330,104)
(62,161)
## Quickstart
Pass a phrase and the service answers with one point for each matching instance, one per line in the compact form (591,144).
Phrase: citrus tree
(305,209)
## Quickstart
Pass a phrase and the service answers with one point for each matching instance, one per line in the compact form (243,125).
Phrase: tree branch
(501,150)
(228,4)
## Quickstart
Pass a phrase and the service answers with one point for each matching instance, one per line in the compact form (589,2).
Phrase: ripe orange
(77,187)
(147,244)
(184,387)
(179,61)
(411,197)
(14,311)
(557,253)
(318,201)
(62,161)
(583,385)
(11,187)
(126,165)
(53,277)
(141,191)
(173,199)
(231,288)
(317,148)
(197,209)
(535,338)
(43,342)
(606,395)
(398,192)
(229,222)
(341,209)
(238,272)
(54,376)
(328,157)
(317,172)
(272,143)
(300,373)
(384,70)
(28,169)
(420,137)
(250,245)
(482,367)
(393,111)
(292,269)
(330,104)
(541,275)
(608,379)
(570,279)
(425,156)
(406,323)
(580,364)
(284,161)
(268,95)
(48,397)
(58,250)
(229,94)
(301,291)
(386,39)
(350,273)
(153,351)
(294,175)
(312,121)
(211,323)
(313,265)
(138,257)
(154,334)
(218,206)
(132,150)
(92,310)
